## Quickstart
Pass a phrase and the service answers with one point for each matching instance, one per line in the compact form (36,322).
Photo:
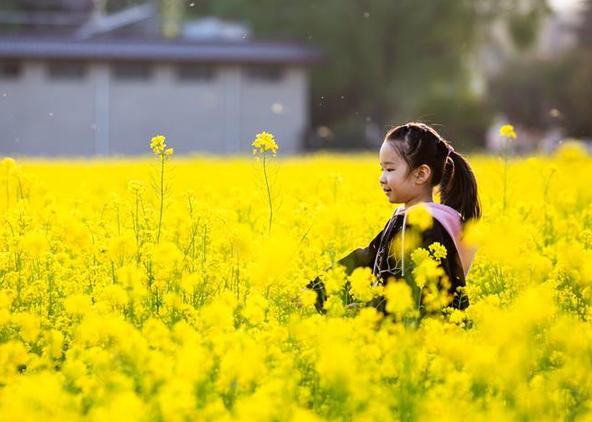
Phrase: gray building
(98,92)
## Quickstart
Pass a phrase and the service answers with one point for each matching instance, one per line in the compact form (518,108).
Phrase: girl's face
(398,185)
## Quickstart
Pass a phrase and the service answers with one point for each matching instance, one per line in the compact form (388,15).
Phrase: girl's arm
(360,257)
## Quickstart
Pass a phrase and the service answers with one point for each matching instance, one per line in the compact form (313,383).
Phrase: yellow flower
(77,304)
(361,283)
(334,306)
(419,255)
(114,295)
(457,316)
(255,308)
(189,282)
(54,342)
(120,247)
(308,297)
(571,150)
(157,144)
(507,131)
(438,250)
(585,237)
(29,325)
(334,279)
(426,268)
(168,152)
(8,164)
(336,363)
(420,216)
(398,297)
(263,142)
(35,244)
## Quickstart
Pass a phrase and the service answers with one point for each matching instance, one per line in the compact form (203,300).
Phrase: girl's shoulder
(447,216)
(444,214)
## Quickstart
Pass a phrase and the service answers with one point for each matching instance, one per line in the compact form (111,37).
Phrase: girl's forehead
(387,154)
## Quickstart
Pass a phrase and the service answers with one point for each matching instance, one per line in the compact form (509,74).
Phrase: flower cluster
(264,142)
(427,267)
(8,164)
(507,131)
(419,217)
(159,147)
(212,322)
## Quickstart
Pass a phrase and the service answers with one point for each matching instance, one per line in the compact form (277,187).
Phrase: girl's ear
(422,174)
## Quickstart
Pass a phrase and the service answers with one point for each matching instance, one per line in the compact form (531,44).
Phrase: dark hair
(417,144)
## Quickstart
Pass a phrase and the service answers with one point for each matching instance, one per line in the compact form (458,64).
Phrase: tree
(542,94)
(584,29)
(386,59)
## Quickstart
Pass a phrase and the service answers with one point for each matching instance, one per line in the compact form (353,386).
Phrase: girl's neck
(401,209)
(424,198)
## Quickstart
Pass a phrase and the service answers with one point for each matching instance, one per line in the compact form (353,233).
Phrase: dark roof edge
(129,48)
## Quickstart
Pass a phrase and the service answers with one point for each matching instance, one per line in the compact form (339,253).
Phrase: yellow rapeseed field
(172,288)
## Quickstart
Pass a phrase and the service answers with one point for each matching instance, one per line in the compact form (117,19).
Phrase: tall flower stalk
(264,142)
(507,132)
(8,165)
(159,148)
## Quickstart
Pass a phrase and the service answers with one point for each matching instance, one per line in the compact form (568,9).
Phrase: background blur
(88,77)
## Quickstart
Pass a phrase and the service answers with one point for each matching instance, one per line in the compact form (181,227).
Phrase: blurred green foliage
(546,93)
(388,61)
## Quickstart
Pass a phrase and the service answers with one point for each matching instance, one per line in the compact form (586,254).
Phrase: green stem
(161,196)
(268,191)
(118,222)
(20,189)
(137,220)
(7,190)
(505,174)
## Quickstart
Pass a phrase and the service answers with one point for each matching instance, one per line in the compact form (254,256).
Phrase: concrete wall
(42,117)
(100,114)
(281,110)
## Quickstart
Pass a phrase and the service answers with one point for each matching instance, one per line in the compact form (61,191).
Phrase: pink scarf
(451,221)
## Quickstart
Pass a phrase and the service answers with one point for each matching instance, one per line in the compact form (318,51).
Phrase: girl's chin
(390,196)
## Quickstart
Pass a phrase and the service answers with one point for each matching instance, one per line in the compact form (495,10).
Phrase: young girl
(414,159)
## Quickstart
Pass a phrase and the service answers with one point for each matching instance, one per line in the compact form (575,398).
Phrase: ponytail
(458,187)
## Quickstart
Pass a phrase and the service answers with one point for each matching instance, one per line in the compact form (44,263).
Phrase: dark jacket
(385,264)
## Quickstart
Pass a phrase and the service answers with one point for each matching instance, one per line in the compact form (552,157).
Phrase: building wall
(43,117)
(281,110)
(189,114)
(101,114)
